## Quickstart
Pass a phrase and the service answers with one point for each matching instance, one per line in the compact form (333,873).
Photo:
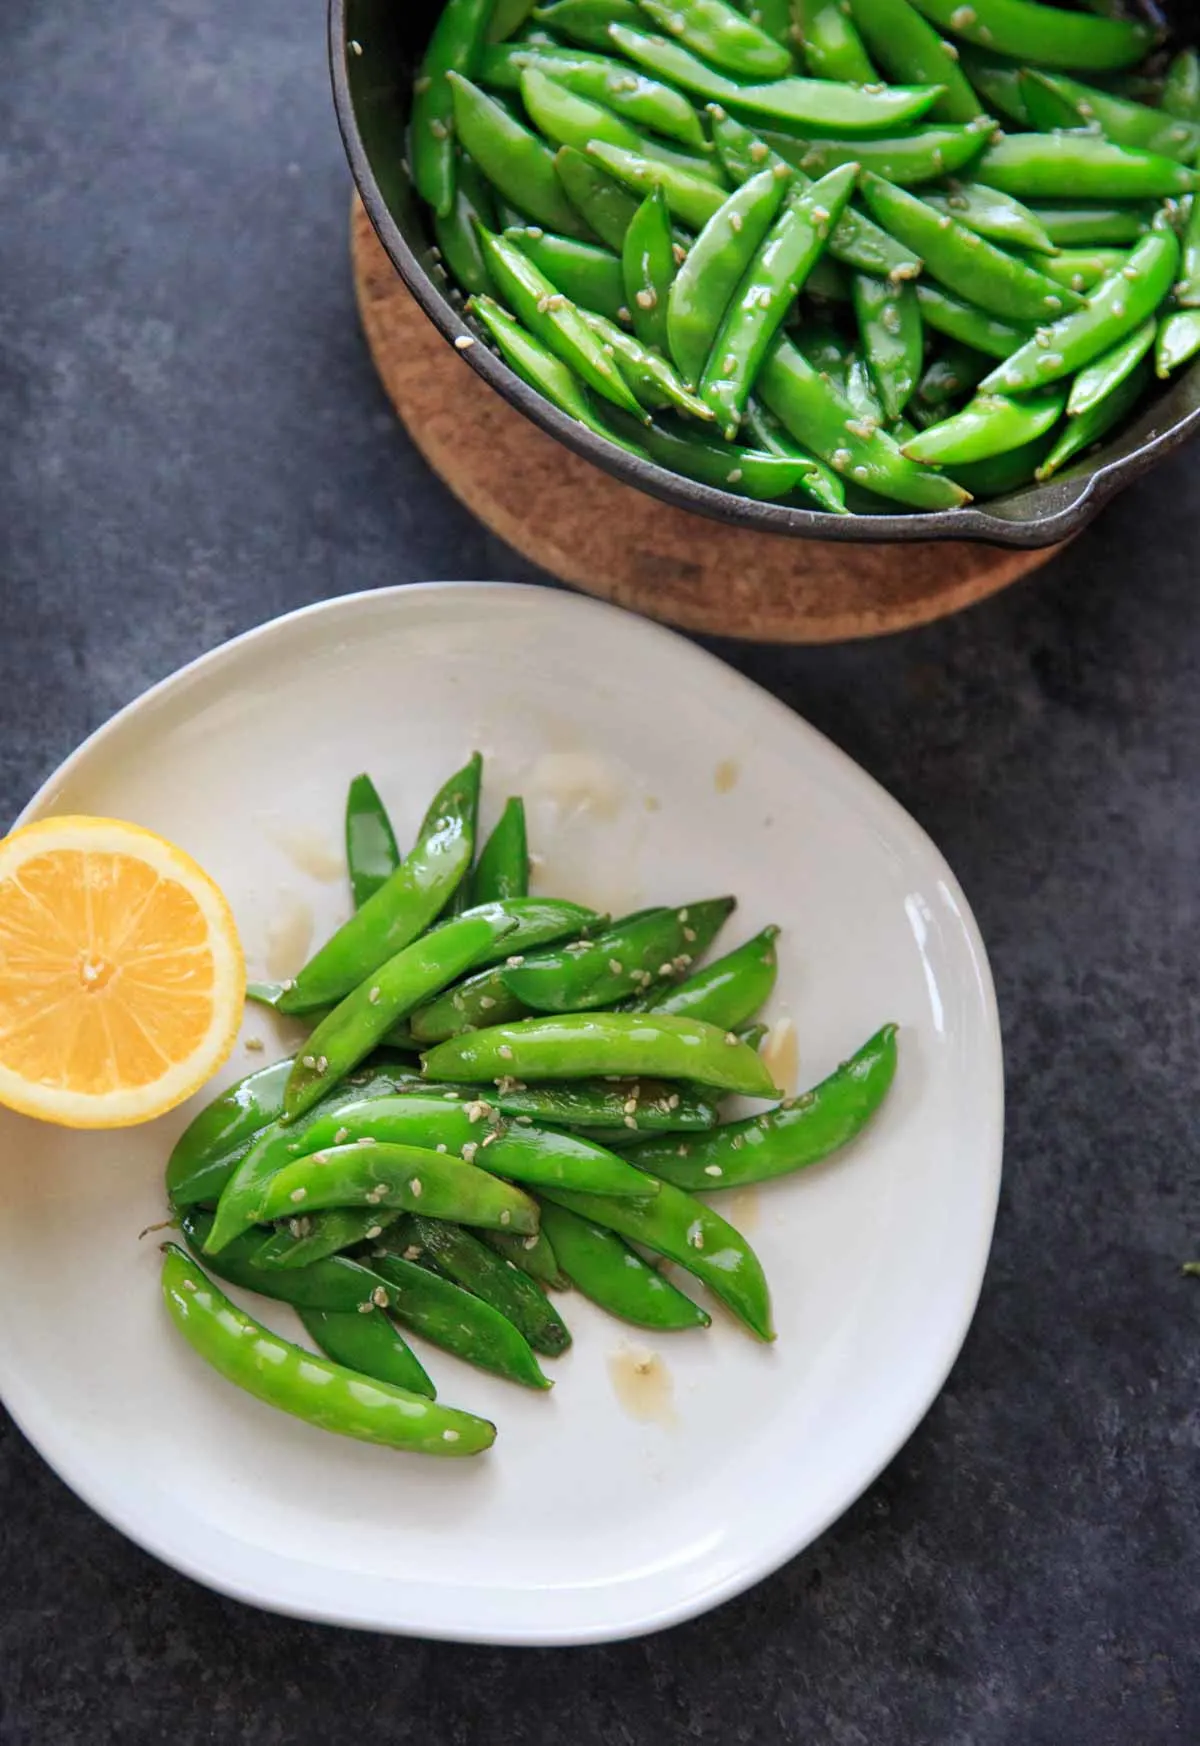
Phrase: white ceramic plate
(653,773)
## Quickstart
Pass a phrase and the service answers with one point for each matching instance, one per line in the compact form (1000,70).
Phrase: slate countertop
(192,441)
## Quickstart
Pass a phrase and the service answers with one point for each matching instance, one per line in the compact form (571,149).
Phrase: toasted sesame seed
(841,459)
(504,1052)
(364,1309)
(288,984)
(413,1252)
(737,1142)
(630,1121)
(298,1194)
(373,1231)
(469,1151)
(732,1039)
(616,967)
(322,1064)
(441,1146)
(680,253)
(449,1436)
(342,1135)
(630,1106)
(415,1187)
(695,1235)
(254,1044)
(485,1001)
(506,1217)
(380,1296)
(758,151)
(463,342)
(735,221)
(647,299)
(307,1061)
(782,170)
(713,1170)
(735,477)
(355,46)
(515,962)
(438,129)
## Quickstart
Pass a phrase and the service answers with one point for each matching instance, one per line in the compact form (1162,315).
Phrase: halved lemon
(121,973)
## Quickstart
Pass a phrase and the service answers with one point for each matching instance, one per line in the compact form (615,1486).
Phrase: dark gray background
(191,441)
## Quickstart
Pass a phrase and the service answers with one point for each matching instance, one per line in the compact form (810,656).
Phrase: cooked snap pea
(1081,269)
(286,1376)
(455,46)
(722,36)
(1102,376)
(637,98)
(924,155)
(371,853)
(1029,31)
(533,1255)
(714,268)
(577,1045)
(460,1256)
(800,1132)
(604,1268)
(215,1141)
(369,1343)
(832,45)
(1177,341)
(1119,120)
(1094,225)
(606,207)
(648,268)
(624,1105)
(1080,433)
(413,1178)
(692,1235)
(991,425)
(336,1283)
(402,907)
(819,481)
(820,417)
(567,119)
(889,326)
(909,49)
(514,160)
(692,199)
(1119,304)
(456,1320)
(1187,291)
(728,991)
(588,21)
(456,233)
(654,383)
(997,81)
(994,215)
(963,261)
(767,476)
(502,870)
(621,961)
(1181,89)
(1078,166)
(970,326)
(590,276)
(309,1237)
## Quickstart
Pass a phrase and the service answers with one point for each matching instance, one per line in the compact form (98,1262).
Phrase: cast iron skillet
(374,45)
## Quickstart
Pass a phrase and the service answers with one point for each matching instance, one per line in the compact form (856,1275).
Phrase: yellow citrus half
(121,973)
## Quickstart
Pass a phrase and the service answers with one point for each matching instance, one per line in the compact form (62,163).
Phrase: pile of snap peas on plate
(826,251)
(500,1096)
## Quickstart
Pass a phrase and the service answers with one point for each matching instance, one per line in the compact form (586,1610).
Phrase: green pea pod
(820,105)
(1029,31)
(648,268)
(819,482)
(726,992)
(403,907)
(456,233)
(606,207)
(588,21)
(1000,474)
(542,370)
(371,853)
(626,1105)
(998,83)
(1082,269)
(636,98)
(309,1237)
(620,961)
(692,1235)
(1099,379)
(773,16)
(454,47)
(909,50)
(1119,304)
(566,119)
(461,1257)
(820,417)
(889,326)
(800,1132)
(951,375)
(1119,120)
(995,215)
(764,477)
(768,288)
(833,47)
(923,155)
(485,998)
(1181,91)
(721,35)
(1080,433)
(514,160)
(991,425)
(502,871)
(714,268)
(964,261)
(1178,340)
(604,1268)
(588,275)
(1187,291)
(370,1344)
(392,991)
(1078,166)
(219,1137)
(970,326)
(507,18)
(412,1178)
(286,1376)
(578,1045)
(1095,225)
(648,373)
(860,392)
(533,1255)
(692,200)
(456,1320)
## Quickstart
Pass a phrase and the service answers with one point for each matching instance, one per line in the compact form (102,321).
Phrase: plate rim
(745,1574)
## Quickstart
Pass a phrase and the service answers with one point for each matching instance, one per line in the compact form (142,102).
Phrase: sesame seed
(254,1044)
(438,129)
(298,1194)
(374,993)
(373,1231)
(355,46)
(616,967)
(841,459)
(289,984)
(441,1146)
(732,1039)
(469,1151)
(735,221)
(307,1061)
(366,1140)
(364,1309)
(485,1001)
(413,1252)
(380,1296)
(734,478)
(713,1170)
(962,18)
(189,1285)
(504,1052)
(764,298)
(514,963)
(449,1436)
(782,170)
(630,1121)
(506,1217)
(737,1142)
(342,1135)
(680,253)
(695,1235)
(647,299)
(1118,310)
(630,1106)
(414,1187)
(322,1064)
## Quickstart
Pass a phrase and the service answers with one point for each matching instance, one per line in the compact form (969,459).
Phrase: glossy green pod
(605,1269)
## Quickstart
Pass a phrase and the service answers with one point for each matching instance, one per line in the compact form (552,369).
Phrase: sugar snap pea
(720,34)
(371,853)
(413,1178)
(461,1257)
(515,161)
(455,46)
(402,907)
(692,1235)
(1181,89)
(588,21)
(370,1344)
(998,82)
(335,1283)
(645,102)
(1081,269)
(1094,225)
(309,1237)
(909,49)
(1177,341)
(726,992)
(714,268)
(1029,31)
(833,47)
(692,199)
(624,1105)
(502,870)
(819,481)
(567,119)
(1101,376)
(1187,291)
(603,203)
(990,425)
(1123,122)
(621,961)
(578,1045)
(1117,306)
(783,262)
(604,1268)
(969,325)
(908,159)
(456,233)
(648,267)
(456,1320)
(766,476)
(654,383)
(590,276)
(995,215)
(962,260)
(284,1375)
(889,326)
(219,1137)
(800,1132)
(1078,166)
(1088,428)
(533,1255)
(820,417)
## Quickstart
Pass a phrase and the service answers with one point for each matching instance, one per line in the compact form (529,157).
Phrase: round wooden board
(572,519)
